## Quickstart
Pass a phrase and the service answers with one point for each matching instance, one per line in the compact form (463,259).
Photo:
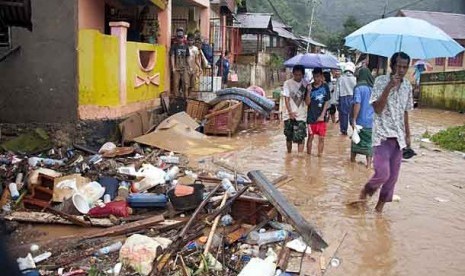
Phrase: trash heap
(147,212)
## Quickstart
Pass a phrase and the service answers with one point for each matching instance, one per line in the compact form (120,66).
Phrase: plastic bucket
(80,203)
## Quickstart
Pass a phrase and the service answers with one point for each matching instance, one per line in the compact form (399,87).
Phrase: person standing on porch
(223,66)
(295,113)
(392,99)
(317,100)
(344,93)
(195,66)
(179,54)
(363,115)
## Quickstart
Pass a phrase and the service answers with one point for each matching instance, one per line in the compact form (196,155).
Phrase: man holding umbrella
(391,100)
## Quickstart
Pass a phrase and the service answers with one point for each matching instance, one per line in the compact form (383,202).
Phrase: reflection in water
(417,236)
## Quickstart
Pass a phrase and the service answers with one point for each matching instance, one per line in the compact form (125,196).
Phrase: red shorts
(318,128)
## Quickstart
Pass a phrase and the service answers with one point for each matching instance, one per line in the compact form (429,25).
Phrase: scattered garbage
(147,211)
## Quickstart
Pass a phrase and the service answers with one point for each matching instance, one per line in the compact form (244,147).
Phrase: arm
(308,99)
(172,63)
(356,110)
(292,115)
(407,129)
(322,115)
(356,106)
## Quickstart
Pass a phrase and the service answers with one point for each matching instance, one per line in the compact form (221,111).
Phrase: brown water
(419,235)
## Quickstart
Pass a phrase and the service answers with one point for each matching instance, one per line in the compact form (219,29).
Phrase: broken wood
(303,227)
(47,218)
(227,205)
(197,211)
(213,229)
(125,228)
(45,205)
(283,258)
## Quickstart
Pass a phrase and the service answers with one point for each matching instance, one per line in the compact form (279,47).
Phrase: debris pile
(146,211)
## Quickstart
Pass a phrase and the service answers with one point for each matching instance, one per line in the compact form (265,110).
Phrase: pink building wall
(91,14)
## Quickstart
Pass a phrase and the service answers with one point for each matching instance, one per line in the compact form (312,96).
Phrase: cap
(349,66)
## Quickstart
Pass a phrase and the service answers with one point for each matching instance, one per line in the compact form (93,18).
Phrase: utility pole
(311,23)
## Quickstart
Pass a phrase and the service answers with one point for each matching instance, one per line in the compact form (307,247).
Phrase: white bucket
(80,203)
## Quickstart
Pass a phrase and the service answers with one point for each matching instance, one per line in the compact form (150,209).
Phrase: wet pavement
(423,234)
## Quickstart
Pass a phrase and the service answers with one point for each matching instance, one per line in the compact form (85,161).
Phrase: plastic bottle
(19,181)
(170,159)
(13,191)
(172,173)
(223,175)
(109,249)
(228,186)
(35,161)
(123,191)
(42,257)
(267,237)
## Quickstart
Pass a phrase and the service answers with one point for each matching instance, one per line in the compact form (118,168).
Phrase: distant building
(452,24)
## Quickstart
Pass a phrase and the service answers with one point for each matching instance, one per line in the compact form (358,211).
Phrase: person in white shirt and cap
(344,92)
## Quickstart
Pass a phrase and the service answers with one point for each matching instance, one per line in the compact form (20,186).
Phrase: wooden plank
(309,232)
(41,217)
(125,228)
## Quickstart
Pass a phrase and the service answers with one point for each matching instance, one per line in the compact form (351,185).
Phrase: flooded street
(423,234)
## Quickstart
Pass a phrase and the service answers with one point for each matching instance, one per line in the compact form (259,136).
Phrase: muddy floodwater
(423,234)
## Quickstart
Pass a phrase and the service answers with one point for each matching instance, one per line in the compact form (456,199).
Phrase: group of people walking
(376,110)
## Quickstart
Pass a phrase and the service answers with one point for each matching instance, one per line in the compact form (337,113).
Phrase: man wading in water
(295,115)
(391,100)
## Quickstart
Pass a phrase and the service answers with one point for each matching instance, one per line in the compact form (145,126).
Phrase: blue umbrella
(415,37)
(313,61)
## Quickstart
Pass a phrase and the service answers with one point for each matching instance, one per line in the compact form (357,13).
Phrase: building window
(456,61)
(4,36)
(440,61)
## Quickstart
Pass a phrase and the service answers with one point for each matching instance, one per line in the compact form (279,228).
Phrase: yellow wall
(144,92)
(98,70)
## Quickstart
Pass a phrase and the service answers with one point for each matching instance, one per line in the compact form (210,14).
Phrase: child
(317,100)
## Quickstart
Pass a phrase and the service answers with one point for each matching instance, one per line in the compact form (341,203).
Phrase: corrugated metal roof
(16,13)
(253,20)
(452,24)
(313,42)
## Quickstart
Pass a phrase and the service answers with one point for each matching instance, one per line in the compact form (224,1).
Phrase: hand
(293,115)
(321,119)
(395,82)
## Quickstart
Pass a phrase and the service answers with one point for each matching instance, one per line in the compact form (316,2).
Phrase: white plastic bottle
(228,186)
(13,191)
(268,237)
(109,249)
(172,173)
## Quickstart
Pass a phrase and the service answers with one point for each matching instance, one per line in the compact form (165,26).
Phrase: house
(74,60)
(452,24)
(225,36)
(444,86)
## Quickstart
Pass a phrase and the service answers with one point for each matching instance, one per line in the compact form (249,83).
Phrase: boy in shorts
(317,100)
(295,113)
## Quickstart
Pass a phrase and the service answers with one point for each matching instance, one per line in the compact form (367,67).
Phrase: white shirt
(390,123)
(296,92)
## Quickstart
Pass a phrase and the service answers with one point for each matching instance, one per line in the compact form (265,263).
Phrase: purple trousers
(387,158)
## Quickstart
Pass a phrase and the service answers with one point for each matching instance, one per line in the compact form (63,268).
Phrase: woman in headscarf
(363,115)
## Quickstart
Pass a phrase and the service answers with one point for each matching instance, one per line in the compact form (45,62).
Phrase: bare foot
(363,194)
(379,206)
